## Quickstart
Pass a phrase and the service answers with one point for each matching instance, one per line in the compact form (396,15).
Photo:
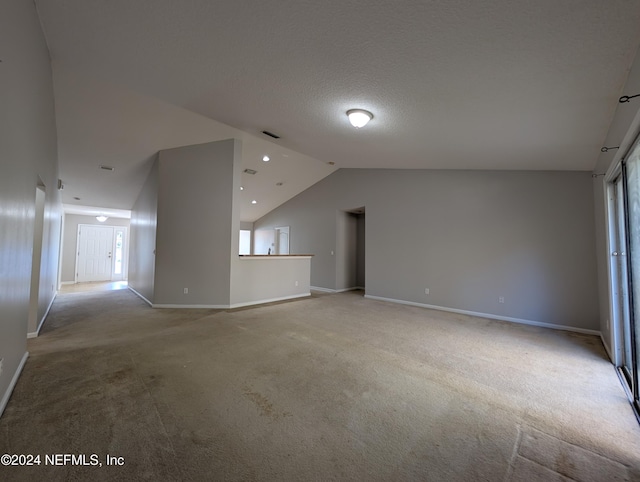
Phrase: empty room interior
(337,240)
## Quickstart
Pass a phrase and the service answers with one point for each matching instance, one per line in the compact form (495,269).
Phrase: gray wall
(195,224)
(469,236)
(28,150)
(70,241)
(142,239)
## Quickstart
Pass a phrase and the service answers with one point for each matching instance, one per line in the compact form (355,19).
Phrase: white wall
(468,236)
(28,150)
(142,240)
(269,279)
(70,240)
(264,241)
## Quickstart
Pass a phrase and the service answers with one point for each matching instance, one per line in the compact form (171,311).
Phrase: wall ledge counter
(270,277)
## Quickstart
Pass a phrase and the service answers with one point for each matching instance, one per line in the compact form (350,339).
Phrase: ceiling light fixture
(241,188)
(254,202)
(266,158)
(359,117)
(102,218)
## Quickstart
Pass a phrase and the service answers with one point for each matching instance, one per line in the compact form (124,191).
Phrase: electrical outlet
(186,291)
(501,299)
(426,291)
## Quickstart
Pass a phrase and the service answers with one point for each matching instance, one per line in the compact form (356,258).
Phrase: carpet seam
(514,454)
(547,468)
(155,407)
(577,447)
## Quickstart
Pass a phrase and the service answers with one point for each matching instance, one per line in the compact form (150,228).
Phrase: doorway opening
(350,249)
(36,258)
(281,240)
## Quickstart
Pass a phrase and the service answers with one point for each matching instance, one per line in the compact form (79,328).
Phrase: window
(245,241)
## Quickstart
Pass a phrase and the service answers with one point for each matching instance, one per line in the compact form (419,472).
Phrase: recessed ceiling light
(254,202)
(241,188)
(359,117)
(266,158)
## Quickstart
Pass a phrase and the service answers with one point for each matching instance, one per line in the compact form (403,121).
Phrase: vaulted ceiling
(497,84)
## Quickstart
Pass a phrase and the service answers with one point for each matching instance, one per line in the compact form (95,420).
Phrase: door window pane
(117,269)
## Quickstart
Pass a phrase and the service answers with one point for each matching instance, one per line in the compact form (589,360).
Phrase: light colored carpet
(333,387)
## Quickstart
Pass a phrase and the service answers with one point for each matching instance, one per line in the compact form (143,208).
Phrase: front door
(95,253)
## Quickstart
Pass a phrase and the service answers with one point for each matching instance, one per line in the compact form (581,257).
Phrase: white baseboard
(67,282)
(34,334)
(12,384)
(140,296)
(488,315)
(328,290)
(353,288)
(227,307)
(169,305)
(324,290)
(607,349)
(260,302)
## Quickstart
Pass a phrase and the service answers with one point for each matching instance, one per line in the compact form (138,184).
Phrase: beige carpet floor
(333,387)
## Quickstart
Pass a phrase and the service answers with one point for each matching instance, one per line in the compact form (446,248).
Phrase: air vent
(271,134)
(250,171)
(107,168)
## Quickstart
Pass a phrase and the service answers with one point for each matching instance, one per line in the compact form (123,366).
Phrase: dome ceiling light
(359,117)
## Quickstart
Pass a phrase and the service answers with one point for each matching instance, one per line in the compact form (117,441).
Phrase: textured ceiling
(100,123)
(498,84)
